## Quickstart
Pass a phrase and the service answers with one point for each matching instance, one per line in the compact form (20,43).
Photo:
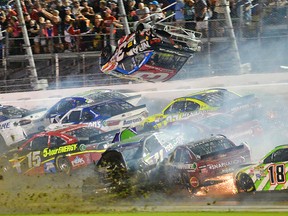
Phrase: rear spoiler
(124,134)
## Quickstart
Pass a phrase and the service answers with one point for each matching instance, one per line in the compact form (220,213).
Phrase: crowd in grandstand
(80,25)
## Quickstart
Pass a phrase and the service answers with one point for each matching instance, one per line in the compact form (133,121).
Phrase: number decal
(277,174)
(34,159)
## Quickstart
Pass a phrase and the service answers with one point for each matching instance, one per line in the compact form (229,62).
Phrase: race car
(62,150)
(199,163)
(236,128)
(132,161)
(270,174)
(58,110)
(18,129)
(199,104)
(106,115)
(151,53)
(11,112)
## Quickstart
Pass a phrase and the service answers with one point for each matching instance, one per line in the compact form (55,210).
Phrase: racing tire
(63,165)
(244,183)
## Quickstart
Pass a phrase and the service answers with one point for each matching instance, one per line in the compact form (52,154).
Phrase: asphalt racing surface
(62,194)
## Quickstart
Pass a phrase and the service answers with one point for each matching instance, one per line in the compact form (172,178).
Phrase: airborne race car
(152,54)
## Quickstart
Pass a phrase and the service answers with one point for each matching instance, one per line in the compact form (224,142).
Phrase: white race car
(106,115)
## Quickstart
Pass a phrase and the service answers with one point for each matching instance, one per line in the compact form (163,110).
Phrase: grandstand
(262,41)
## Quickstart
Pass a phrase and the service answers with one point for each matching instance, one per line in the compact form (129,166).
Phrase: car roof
(202,141)
(132,141)
(96,103)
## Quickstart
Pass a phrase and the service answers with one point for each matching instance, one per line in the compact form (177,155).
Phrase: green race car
(197,105)
(269,174)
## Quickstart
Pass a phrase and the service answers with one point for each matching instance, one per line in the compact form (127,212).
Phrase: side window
(65,106)
(185,157)
(177,156)
(152,145)
(280,156)
(74,116)
(56,141)
(191,106)
(175,108)
(39,143)
(268,159)
(87,116)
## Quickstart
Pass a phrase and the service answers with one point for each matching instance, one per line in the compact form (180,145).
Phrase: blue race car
(106,115)
(57,111)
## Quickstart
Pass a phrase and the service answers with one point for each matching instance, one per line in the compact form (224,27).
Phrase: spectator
(87,11)
(246,6)
(56,22)
(200,15)
(179,13)
(114,8)
(98,30)
(36,12)
(143,13)
(131,11)
(3,20)
(48,32)
(33,32)
(76,9)
(42,36)
(27,19)
(15,32)
(69,31)
(219,13)
(10,12)
(156,11)
(189,15)
(81,23)
(109,20)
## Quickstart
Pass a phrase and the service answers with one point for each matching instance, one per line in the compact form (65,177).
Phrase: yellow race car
(198,105)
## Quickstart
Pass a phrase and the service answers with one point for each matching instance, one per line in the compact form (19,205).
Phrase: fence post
(83,69)
(241,22)
(57,73)
(112,35)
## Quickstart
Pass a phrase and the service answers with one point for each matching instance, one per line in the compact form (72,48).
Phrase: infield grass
(208,213)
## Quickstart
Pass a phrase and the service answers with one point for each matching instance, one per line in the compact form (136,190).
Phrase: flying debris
(151,53)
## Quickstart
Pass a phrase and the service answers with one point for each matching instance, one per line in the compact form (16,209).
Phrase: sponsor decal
(194,182)
(82,147)
(63,149)
(4,125)
(78,161)
(97,124)
(224,164)
(126,122)
(49,167)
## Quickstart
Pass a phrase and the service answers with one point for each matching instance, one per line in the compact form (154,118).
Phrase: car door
(30,159)
(272,173)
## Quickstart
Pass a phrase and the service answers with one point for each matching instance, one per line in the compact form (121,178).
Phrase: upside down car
(151,53)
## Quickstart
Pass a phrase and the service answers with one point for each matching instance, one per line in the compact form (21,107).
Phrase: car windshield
(84,132)
(215,98)
(132,152)
(210,147)
(13,112)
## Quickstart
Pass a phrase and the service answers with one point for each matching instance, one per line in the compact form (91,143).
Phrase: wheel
(244,183)
(63,165)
